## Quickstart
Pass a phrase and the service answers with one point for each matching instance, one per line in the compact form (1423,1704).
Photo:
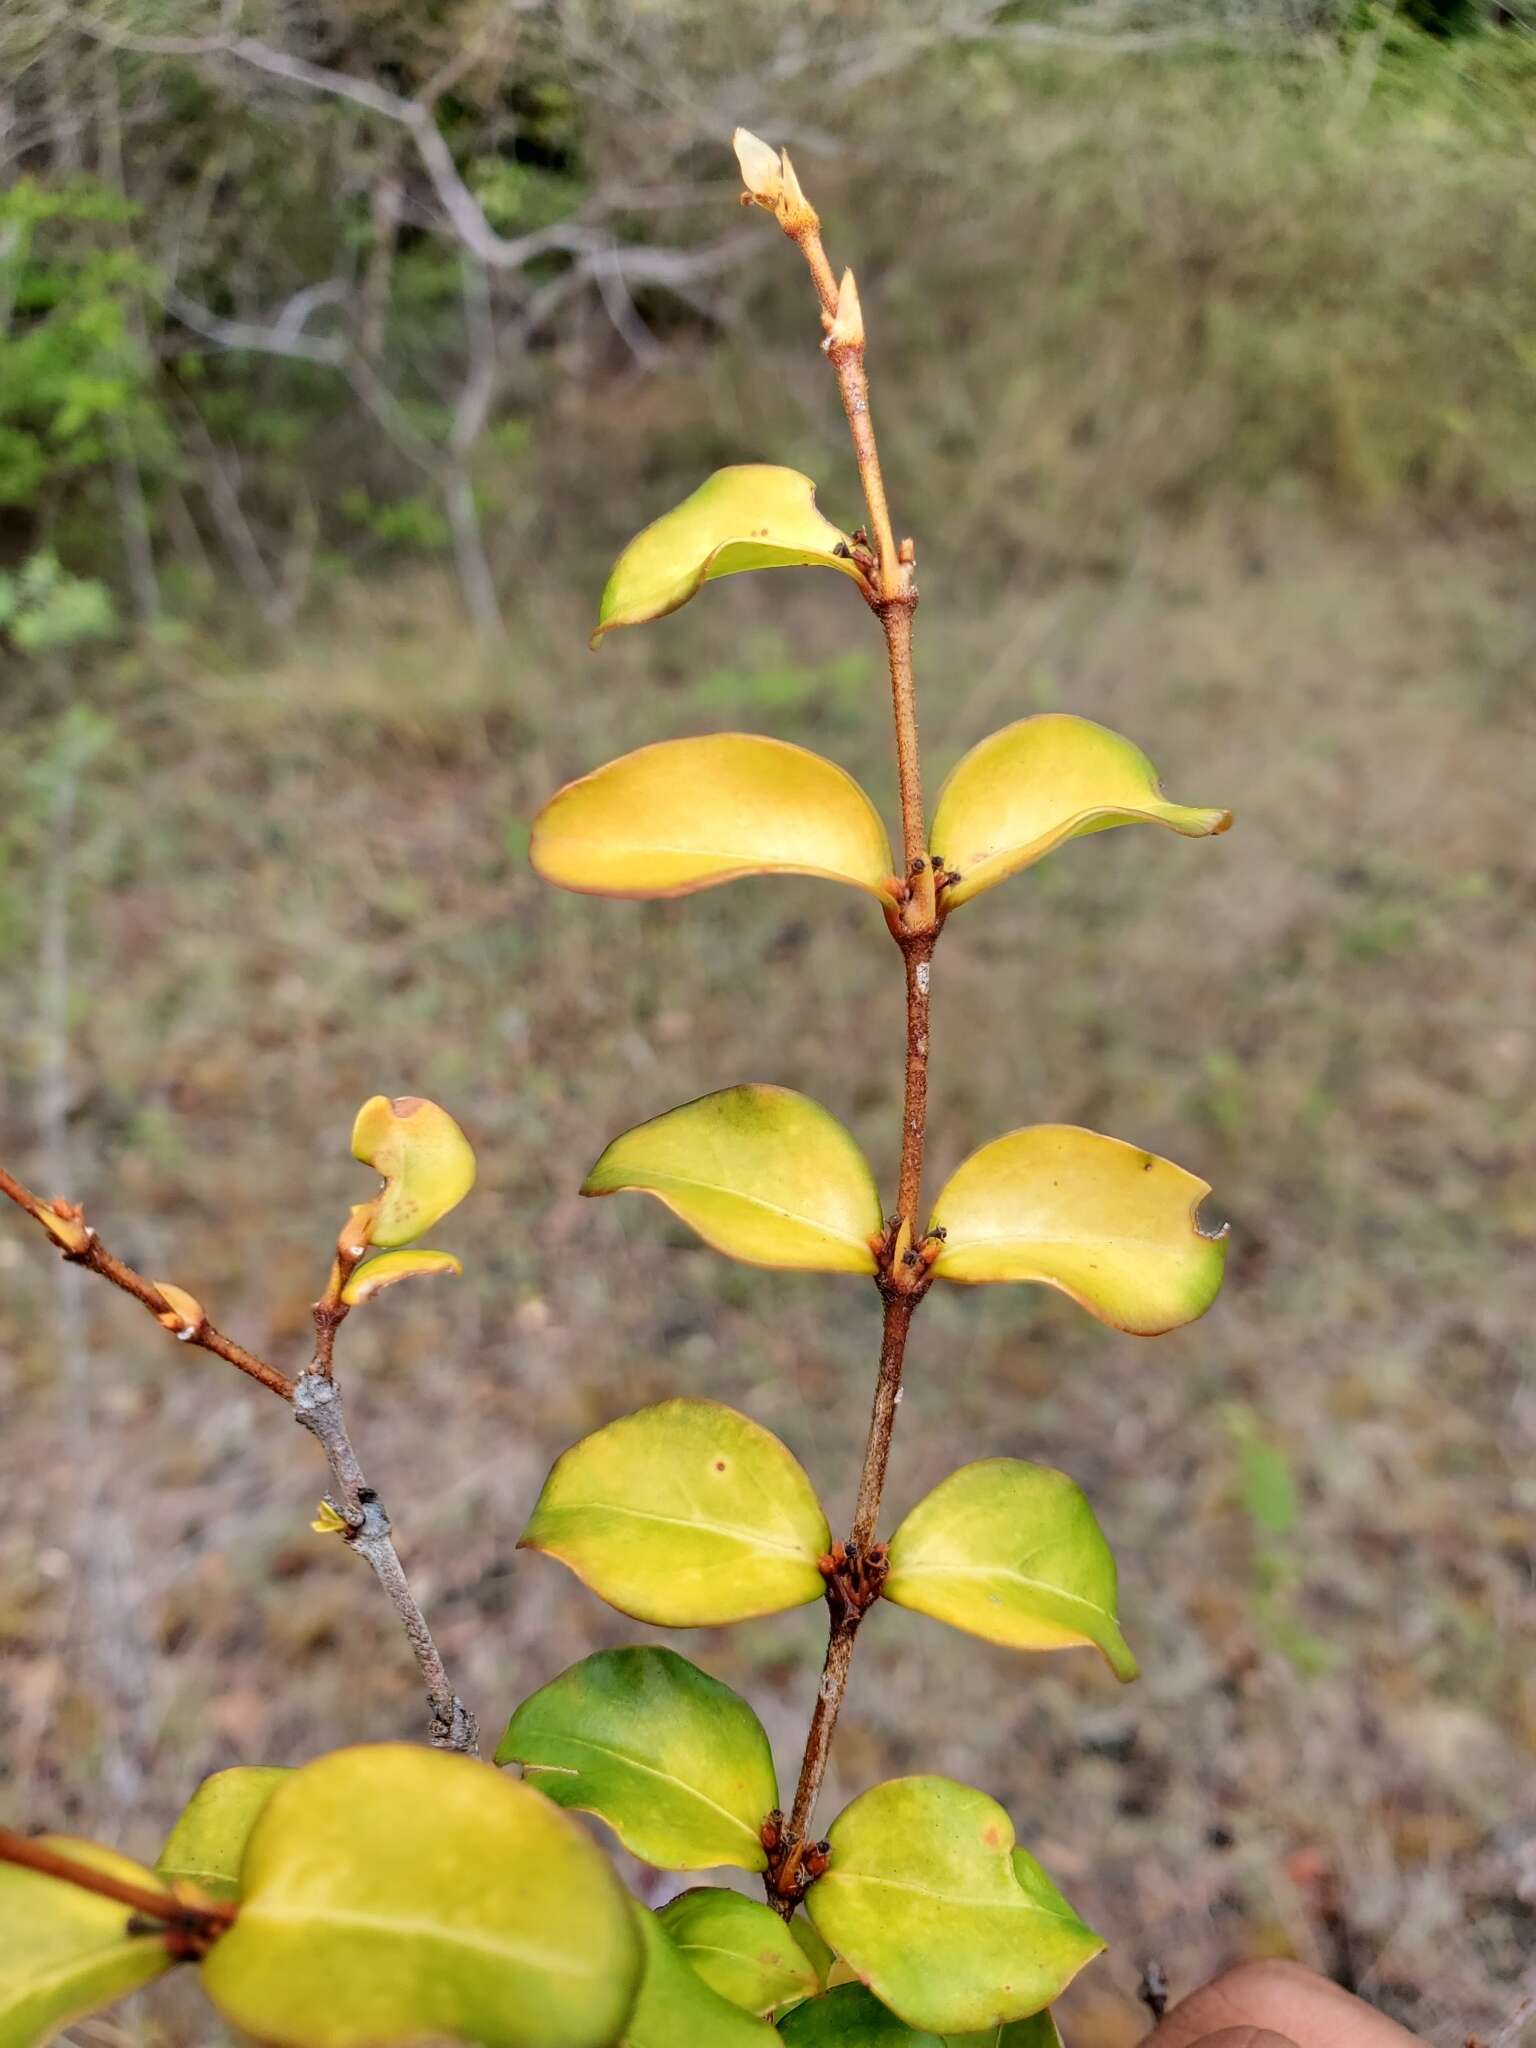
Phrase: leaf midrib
(634,1763)
(396,1926)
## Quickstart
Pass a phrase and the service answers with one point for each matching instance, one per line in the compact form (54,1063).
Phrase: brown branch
(80,1245)
(200,1922)
(856,1570)
(317,1408)
(316,1405)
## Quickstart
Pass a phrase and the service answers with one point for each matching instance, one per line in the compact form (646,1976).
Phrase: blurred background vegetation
(342,344)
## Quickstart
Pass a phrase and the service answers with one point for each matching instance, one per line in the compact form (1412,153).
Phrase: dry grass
(1327,1013)
(292,883)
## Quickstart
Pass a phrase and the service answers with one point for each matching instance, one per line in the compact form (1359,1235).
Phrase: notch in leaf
(675,1762)
(687,1515)
(761,1173)
(687,814)
(1017,795)
(934,1908)
(1011,1552)
(751,516)
(424,1159)
(1113,1226)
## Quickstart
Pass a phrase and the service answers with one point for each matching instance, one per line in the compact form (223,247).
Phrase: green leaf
(686,1515)
(208,1841)
(851,2017)
(65,1952)
(686,814)
(742,1949)
(675,1762)
(1114,1227)
(677,2009)
(1039,2031)
(752,516)
(930,1904)
(425,1160)
(392,1893)
(818,1955)
(374,1275)
(1018,795)
(1011,1552)
(761,1173)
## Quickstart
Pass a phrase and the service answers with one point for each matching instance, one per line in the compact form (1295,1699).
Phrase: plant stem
(857,1570)
(93,1255)
(210,1919)
(316,1404)
(317,1408)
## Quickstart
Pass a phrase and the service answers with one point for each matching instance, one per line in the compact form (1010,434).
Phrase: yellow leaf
(1017,796)
(397,1894)
(686,1515)
(328,1522)
(377,1274)
(761,1173)
(66,1952)
(685,814)
(1011,1552)
(752,516)
(1107,1223)
(426,1162)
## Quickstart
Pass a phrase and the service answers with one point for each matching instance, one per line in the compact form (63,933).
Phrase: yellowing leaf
(686,814)
(761,1173)
(753,516)
(395,1894)
(1107,1223)
(1011,1552)
(677,2009)
(427,1164)
(1038,2031)
(375,1275)
(741,1948)
(936,1911)
(65,1952)
(675,1762)
(1016,796)
(687,1515)
(329,1521)
(208,1842)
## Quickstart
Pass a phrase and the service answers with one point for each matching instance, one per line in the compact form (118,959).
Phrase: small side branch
(317,1408)
(316,1404)
(80,1245)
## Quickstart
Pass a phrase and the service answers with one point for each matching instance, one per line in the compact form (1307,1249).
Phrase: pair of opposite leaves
(765,1175)
(685,814)
(390,1893)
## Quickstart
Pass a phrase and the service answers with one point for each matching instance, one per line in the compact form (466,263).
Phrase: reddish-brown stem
(88,1251)
(855,1574)
(207,1919)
